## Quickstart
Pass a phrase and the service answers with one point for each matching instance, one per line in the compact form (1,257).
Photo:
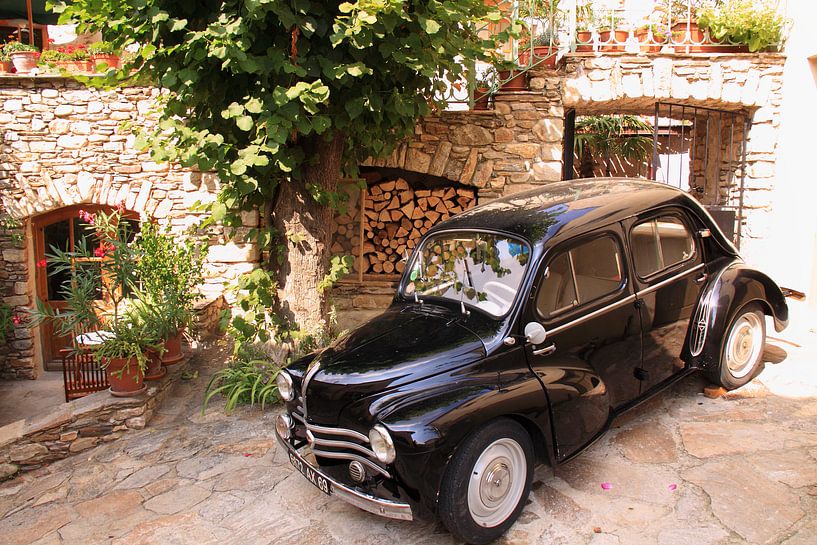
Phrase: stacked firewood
(394,219)
(396,216)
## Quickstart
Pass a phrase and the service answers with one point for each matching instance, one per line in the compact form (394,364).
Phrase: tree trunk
(305,230)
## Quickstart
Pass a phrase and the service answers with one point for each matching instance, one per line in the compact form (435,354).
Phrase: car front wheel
(487,482)
(742,350)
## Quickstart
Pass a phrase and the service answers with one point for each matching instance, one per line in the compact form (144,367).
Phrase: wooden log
(388,267)
(422,193)
(418,223)
(391,229)
(449,192)
(441,208)
(341,230)
(401,184)
(405,197)
(422,203)
(411,244)
(380,225)
(387,186)
(368,248)
(384,216)
(417,214)
(433,201)
(400,266)
(402,232)
(396,214)
(375,190)
(438,192)
(433,216)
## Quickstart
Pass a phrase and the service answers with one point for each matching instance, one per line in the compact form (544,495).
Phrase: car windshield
(483,270)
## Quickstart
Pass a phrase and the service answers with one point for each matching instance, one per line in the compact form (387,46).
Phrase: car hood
(402,345)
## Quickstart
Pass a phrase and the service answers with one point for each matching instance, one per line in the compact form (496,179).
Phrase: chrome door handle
(700,278)
(546,351)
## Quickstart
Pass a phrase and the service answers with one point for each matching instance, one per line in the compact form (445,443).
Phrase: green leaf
(245,123)
(429,25)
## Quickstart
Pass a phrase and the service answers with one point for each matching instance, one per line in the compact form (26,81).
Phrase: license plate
(321,482)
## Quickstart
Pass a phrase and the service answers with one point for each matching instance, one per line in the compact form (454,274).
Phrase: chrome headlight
(382,445)
(284,383)
(283,425)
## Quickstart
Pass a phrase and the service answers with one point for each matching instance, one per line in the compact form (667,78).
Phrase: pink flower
(17,320)
(121,207)
(100,251)
(672,487)
(607,486)
(42,263)
(86,217)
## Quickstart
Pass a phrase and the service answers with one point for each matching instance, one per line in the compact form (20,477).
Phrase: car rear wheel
(487,482)
(742,350)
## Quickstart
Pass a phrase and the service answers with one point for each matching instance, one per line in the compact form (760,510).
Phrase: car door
(583,297)
(668,270)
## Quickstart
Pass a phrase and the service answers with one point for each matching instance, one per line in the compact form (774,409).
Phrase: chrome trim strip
(349,456)
(298,417)
(346,445)
(310,373)
(668,280)
(337,431)
(602,310)
(367,502)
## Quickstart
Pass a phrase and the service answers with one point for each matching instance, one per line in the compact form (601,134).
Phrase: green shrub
(745,22)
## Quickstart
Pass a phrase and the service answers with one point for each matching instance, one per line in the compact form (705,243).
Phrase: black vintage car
(519,331)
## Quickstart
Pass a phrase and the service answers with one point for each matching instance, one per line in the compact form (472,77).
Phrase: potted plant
(585,25)
(743,24)
(53,58)
(652,37)
(541,51)
(612,36)
(77,58)
(103,56)
(169,272)
(102,267)
(23,56)
(5,64)
(687,35)
(484,89)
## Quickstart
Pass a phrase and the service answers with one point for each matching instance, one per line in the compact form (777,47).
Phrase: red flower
(16,320)
(100,251)
(121,207)
(51,40)
(42,263)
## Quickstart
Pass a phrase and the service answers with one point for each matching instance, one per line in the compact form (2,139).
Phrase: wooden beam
(30,23)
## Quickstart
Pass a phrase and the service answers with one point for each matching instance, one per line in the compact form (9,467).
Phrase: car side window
(580,275)
(660,243)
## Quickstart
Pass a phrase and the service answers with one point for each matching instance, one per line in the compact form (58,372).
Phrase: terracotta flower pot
(109,60)
(482,98)
(125,377)
(647,45)
(5,67)
(155,369)
(613,40)
(514,80)
(73,66)
(584,40)
(24,61)
(544,56)
(173,349)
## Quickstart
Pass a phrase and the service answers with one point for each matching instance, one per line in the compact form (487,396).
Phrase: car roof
(572,207)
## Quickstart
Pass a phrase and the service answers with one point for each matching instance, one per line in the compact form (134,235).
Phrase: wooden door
(61,229)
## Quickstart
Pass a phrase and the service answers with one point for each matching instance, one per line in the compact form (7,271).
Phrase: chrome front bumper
(367,502)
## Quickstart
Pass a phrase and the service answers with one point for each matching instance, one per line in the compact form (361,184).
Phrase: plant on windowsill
(5,64)
(169,271)
(485,88)
(23,56)
(103,56)
(744,22)
(102,272)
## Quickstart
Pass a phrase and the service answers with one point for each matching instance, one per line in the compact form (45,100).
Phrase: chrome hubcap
(744,345)
(497,482)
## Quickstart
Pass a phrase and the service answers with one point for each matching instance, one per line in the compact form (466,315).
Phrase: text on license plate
(318,480)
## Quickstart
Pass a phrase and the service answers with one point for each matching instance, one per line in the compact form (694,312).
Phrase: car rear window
(580,275)
(660,243)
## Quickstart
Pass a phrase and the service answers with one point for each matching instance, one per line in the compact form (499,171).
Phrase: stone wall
(746,83)
(81,424)
(16,352)
(64,144)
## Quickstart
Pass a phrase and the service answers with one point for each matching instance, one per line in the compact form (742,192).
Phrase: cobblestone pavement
(684,469)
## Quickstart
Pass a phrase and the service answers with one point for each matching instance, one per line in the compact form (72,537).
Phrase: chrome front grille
(700,324)
(339,443)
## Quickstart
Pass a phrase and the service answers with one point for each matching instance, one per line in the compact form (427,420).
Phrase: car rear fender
(734,287)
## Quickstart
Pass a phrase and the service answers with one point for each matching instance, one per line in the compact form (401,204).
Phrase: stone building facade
(63,144)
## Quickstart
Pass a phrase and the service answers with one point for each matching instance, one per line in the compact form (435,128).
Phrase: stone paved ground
(684,470)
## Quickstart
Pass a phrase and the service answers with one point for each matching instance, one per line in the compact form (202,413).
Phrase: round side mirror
(535,333)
